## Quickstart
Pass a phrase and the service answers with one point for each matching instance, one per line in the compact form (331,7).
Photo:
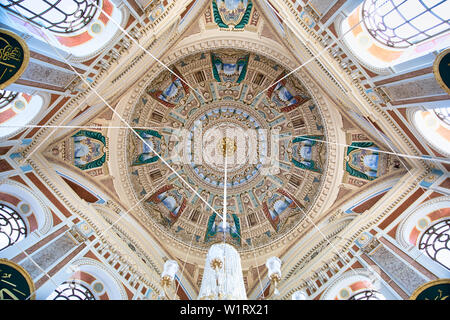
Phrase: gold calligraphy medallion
(14,57)
(15,282)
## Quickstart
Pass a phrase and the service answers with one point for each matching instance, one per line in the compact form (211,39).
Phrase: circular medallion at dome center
(266,140)
(231,138)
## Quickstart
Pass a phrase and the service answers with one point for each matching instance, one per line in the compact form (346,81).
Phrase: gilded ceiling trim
(48,219)
(84,211)
(363,223)
(375,108)
(200,44)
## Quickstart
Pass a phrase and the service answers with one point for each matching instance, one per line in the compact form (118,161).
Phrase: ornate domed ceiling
(214,111)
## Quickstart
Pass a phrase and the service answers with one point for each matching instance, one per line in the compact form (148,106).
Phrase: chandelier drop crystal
(222,278)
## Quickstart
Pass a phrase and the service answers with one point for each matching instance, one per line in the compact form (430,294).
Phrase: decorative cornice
(82,210)
(316,40)
(241,40)
(361,224)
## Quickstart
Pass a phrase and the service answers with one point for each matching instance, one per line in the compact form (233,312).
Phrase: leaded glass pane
(71,290)
(60,16)
(403,23)
(436,242)
(367,295)
(443,114)
(12,227)
(6,97)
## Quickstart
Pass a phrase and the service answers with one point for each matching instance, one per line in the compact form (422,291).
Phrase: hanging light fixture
(222,275)
(299,295)
(167,280)
(273,265)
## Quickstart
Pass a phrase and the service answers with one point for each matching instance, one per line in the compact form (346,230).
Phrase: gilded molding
(94,225)
(48,220)
(350,82)
(196,45)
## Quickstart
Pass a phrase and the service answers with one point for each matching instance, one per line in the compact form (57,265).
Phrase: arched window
(367,295)
(434,126)
(18,110)
(12,227)
(385,33)
(71,290)
(435,241)
(60,16)
(351,285)
(443,114)
(403,23)
(79,27)
(6,97)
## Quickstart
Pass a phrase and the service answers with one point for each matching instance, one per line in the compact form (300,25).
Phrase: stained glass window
(71,290)
(433,125)
(367,295)
(443,114)
(12,227)
(402,23)
(6,97)
(60,16)
(435,241)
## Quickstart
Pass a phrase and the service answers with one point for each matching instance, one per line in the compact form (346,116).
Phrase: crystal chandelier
(222,276)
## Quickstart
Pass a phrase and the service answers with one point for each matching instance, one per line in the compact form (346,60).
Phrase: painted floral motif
(303,149)
(88,150)
(150,148)
(232,13)
(216,231)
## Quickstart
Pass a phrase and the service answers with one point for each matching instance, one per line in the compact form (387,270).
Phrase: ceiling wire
(223,217)
(129,127)
(124,31)
(296,69)
(45,139)
(420,157)
(315,56)
(423,157)
(172,72)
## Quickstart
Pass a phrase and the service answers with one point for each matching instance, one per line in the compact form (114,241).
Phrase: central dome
(232,134)
(217,112)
